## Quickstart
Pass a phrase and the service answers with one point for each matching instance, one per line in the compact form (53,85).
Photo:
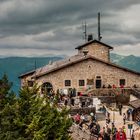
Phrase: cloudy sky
(54,27)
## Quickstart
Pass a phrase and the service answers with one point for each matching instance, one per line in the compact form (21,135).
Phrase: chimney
(90,37)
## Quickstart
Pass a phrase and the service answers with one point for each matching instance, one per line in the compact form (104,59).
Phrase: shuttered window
(81,82)
(122,81)
(67,82)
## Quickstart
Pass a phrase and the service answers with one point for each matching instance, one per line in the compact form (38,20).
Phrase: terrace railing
(107,91)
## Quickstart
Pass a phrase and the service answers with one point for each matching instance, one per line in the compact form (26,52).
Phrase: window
(47,88)
(67,82)
(30,83)
(122,81)
(81,82)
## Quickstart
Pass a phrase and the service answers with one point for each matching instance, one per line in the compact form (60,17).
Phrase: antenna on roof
(35,69)
(99,33)
(84,26)
(35,64)
(50,62)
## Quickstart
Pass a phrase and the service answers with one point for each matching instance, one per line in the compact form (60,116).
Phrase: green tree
(30,116)
(7,109)
(6,95)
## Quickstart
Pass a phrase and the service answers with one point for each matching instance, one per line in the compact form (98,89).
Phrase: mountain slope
(115,58)
(15,66)
(131,62)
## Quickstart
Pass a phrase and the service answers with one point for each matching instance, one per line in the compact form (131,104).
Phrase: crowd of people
(108,132)
(89,122)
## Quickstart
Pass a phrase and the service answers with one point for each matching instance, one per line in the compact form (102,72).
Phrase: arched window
(46,88)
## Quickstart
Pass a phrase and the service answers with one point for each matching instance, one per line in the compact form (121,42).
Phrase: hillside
(14,66)
(115,58)
(132,62)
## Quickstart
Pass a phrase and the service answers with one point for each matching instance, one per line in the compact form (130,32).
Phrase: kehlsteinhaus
(91,67)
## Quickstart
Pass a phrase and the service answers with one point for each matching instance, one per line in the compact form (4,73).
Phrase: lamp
(85,52)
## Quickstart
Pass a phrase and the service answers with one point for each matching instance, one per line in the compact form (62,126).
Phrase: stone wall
(97,50)
(89,69)
(25,79)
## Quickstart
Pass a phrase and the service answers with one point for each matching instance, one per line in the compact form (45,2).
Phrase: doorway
(98,83)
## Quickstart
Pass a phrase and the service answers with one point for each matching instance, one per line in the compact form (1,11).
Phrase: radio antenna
(84,25)
(99,32)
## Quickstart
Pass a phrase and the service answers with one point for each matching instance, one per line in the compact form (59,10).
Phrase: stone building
(91,67)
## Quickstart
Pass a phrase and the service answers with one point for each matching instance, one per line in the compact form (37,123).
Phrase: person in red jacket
(121,135)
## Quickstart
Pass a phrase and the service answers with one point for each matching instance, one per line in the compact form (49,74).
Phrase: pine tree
(48,122)
(30,116)
(5,93)
(44,121)
(7,109)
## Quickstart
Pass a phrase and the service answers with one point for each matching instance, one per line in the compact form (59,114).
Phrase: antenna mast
(99,33)
(35,69)
(85,31)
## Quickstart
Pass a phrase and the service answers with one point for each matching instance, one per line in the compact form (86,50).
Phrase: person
(121,86)
(83,117)
(132,136)
(107,120)
(83,104)
(77,118)
(128,114)
(124,118)
(113,131)
(98,127)
(120,108)
(94,130)
(91,124)
(114,86)
(124,129)
(65,101)
(84,127)
(103,135)
(82,120)
(72,101)
(108,114)
(93,117)
(120,135)
(109,86)
(108,131)
(106,136)
(100,137)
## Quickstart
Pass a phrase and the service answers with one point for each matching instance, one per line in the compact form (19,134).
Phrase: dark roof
(135,104)
(94,41)
(27,73)
(71,62)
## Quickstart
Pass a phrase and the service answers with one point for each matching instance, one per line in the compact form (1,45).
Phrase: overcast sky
(54,27)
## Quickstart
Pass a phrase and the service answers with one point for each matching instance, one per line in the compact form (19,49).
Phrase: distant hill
(14,66)
(115,58)
(132,62)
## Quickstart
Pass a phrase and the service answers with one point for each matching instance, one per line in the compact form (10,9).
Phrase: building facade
(91,67)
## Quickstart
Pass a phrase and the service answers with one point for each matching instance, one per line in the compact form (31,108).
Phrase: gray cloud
(56,26)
